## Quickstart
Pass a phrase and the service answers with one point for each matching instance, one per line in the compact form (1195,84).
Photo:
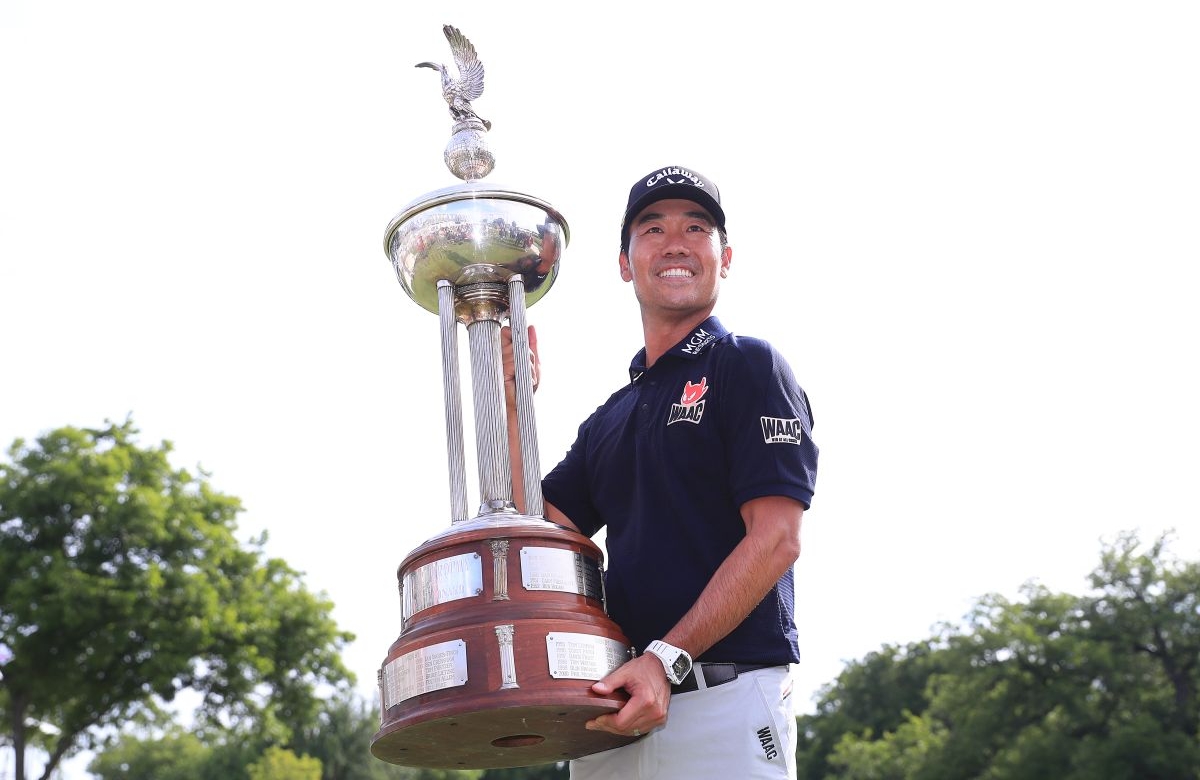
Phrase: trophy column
(503,622)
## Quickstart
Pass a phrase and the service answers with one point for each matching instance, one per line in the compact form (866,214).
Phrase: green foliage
(279,764)
(125,583)
(897,756)
(339,740)
(179,754)
(1052,687)
(875,695)
(176,756)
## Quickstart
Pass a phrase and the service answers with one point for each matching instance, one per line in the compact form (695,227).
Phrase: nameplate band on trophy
(583,656)
(566,571)
(449,579)
(431,668)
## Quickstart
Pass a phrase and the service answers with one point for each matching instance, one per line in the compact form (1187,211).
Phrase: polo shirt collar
(690,347)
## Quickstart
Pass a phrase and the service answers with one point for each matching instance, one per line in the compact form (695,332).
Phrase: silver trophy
(503,621)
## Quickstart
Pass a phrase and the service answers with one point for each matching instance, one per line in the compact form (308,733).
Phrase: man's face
(675,258)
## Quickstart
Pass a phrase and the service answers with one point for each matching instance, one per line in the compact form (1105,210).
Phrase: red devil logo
(693,393)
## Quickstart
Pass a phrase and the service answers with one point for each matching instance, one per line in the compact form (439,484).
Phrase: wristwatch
(677,662)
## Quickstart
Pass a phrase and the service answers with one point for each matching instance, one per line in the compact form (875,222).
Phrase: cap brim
(682,191)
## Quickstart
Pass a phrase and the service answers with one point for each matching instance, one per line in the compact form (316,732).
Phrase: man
(701,469)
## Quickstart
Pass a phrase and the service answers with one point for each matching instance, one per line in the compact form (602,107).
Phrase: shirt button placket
(647,392)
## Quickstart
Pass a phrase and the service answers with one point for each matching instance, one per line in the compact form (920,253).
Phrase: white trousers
(742,730)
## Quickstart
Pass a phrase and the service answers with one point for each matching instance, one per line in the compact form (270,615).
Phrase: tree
(124,583)
(1049,687)
(871,696)
(339,739)
(1150,606)
(177,755)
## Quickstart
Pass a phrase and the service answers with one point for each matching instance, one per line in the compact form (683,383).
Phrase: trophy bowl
(473,233)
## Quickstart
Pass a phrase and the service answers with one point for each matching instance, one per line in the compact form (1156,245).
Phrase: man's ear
(626,271)
(726,260)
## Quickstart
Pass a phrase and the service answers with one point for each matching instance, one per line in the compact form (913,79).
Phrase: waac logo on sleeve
(777,430)
(690,407)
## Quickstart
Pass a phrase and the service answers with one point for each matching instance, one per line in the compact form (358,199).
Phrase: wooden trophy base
(509,736)
(504,632)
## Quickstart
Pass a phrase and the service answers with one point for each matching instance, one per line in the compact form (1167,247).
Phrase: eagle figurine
(459,92)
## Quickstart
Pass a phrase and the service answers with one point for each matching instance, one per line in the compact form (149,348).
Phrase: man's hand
(645,680)
(510,366)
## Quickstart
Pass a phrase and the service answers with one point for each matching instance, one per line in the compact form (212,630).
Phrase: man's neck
(661,333)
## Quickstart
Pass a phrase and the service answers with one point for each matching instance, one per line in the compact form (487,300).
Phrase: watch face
(680,662)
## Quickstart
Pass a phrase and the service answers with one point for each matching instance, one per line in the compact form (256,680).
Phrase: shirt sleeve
(767,426)
(568,488)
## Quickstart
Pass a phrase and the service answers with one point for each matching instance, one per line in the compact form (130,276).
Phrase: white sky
(971,228)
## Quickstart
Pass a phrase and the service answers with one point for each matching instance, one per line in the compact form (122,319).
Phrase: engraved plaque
(456,577)
(552,568)
(431,668)
(583,656)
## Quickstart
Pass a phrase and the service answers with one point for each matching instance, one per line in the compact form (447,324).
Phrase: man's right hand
(644,679)
(510,366)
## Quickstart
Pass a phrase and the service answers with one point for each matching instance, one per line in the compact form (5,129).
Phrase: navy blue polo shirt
(666,463)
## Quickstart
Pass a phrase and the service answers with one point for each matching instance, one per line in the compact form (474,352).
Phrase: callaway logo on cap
(673,182)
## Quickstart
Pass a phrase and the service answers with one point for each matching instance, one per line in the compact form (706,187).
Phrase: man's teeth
(676,272)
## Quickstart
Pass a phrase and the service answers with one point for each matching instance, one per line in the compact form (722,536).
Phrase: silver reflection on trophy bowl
(503,620)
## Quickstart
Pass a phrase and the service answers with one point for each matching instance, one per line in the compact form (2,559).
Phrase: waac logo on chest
(691,404)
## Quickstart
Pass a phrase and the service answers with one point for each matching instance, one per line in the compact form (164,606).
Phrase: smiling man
(700,468)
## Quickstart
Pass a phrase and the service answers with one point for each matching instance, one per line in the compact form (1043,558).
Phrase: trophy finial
(467,155)
(459,92)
